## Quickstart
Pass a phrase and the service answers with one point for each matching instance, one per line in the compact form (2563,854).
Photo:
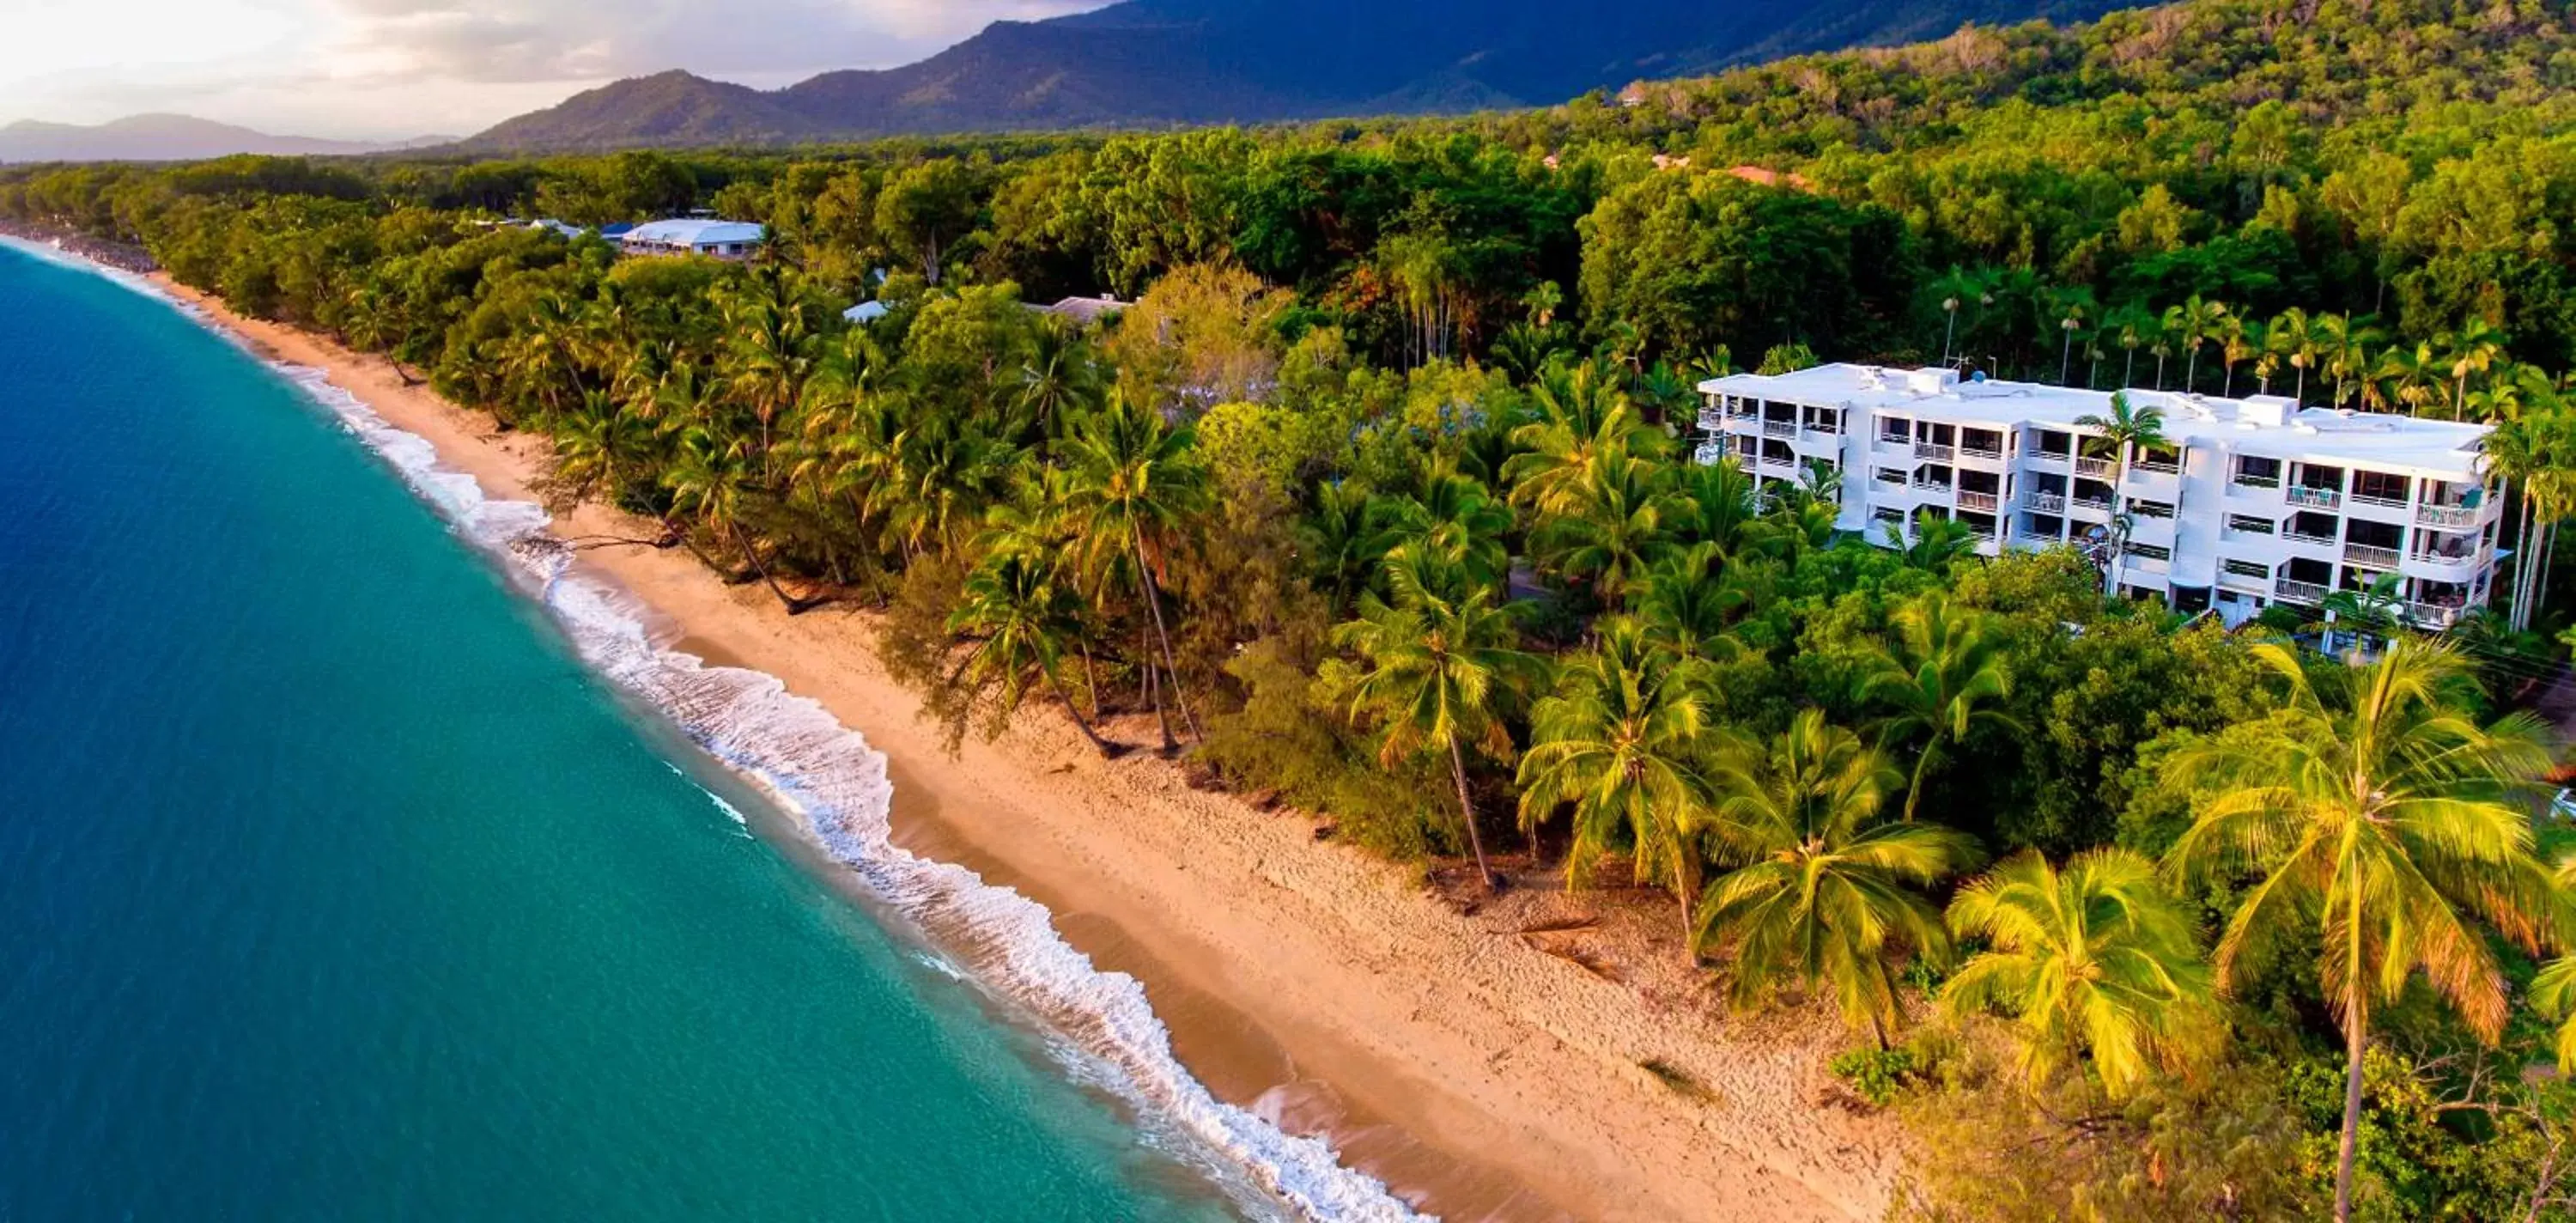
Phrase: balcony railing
(2433,616)
(1991,454)
(1932,486)
(1711,421)
(2246,481)
(1780,428)
(2447,515)
(2384,503)
(2374,557)
(2233,580)
(1935,451)
(2299,592)
(1709,454)
(2045,456)
(2099,469)
(2101,504)
(2300,537)
(2156,467)
(2428,556)
(1985,502)
(2320,498)
(2046,503)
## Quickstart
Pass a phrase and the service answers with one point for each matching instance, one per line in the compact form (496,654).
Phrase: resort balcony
(1935,452)
(2313,540)
(2156,467)
(2299,592)
(2255,484)
(2098,469)
(1934,487)
(1711,421)
(2447,515)
(1982,454)
(1709,454)
(2098,505)
(2045,503)
(2432,616)
(1780,428)
(2316,498)
(2370,557)
(2246,582)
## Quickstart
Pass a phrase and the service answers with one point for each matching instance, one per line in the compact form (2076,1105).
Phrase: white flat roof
(695,233)
(2265,426)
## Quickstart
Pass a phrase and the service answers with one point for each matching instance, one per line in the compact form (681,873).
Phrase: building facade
(717,239)
(2254,501)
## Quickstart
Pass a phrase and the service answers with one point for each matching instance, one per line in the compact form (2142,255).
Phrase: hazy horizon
(398,69)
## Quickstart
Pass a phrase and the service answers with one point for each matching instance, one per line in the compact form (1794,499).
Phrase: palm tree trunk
(2065,357)
(2119,504)
(2300,395)
(1152,691)
(794,606)
(2129,371)
(1079,722)
(1154,604)
(2354,1039)
(1467,812)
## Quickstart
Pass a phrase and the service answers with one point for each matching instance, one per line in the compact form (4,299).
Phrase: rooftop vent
(2265,411)
(1931,381)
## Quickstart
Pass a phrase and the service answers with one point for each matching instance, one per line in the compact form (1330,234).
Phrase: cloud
(574,40)
(381,68)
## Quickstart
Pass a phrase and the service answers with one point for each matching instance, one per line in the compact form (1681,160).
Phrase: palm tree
(2404,376)
(2344,345)
(2202,321)
(1717,507)
(1825,892)
(1454,518)
(2094,960)
(1618,740)
(1941,680)
(2135,327)
(1688,598)
(2073,306)
(1957,288)
(1137,483)
(2239,339)
(712,481)
(1937,542)
(2377,815)
(1021,621)
(2471,350)
(1583,413)
(1612,529)
(2127,429)
(2370,613)
(2296,339)
(1436,664)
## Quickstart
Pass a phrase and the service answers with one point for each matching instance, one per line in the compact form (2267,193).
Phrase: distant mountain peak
(1165,62)
(165,137)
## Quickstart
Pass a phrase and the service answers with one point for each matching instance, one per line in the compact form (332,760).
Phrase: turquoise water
(334,885)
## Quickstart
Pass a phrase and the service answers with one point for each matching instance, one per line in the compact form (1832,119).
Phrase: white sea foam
(827,774)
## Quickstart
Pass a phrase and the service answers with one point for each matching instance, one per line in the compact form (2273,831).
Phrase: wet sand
(1451,1056)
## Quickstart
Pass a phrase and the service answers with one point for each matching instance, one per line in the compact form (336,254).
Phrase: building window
(2380,487)
(2151,509)
(2254,471)
(1891,475)
(2250,569)
(2250,525)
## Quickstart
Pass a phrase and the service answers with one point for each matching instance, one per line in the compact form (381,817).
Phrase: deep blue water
(333,886)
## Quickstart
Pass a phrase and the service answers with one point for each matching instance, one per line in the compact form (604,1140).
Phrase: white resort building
(719,239)
(2255,502)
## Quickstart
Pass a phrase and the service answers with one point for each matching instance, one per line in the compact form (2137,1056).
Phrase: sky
(389,69)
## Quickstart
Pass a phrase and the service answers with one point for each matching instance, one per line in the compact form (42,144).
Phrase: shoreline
(1462,1061)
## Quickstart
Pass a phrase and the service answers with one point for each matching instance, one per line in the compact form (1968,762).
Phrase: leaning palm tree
(2128,429)
(2096,960)
(1941,680)
(1136,482)
(1617,740)
(712,481)
(2376,815)
(1825,893)
(1021,621)
(1437,663)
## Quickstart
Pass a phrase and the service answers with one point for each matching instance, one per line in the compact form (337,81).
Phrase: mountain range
(168,138)
(1147,63)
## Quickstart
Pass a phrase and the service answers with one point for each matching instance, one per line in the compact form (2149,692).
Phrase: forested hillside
(1376,499)
(1153,63)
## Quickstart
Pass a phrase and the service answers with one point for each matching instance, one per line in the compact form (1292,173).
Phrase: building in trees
(719,239)
(2234,504)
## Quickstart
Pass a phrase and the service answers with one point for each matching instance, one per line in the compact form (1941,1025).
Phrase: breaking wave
(828,776)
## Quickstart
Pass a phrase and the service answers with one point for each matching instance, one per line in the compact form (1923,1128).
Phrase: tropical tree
(1618,741)
(2295,339)
(1137,484)
(1021,621)
(2135,328)
(2093,961)
(2127,429)
(1687,600)
(1612,525)
(1437,663)
(1942,680)
(2344,344)
(713,482)
(2472,349)
(2239,340)
(2374,814)
(1825,890)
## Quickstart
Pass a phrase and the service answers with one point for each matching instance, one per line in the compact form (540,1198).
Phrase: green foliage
(1875,1075)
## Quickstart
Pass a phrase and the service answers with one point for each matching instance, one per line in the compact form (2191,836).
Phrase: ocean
(361,858)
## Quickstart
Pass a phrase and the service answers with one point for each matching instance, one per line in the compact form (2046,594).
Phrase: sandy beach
(1519,1062)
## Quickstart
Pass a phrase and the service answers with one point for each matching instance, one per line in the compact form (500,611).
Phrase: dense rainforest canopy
(1375,496)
